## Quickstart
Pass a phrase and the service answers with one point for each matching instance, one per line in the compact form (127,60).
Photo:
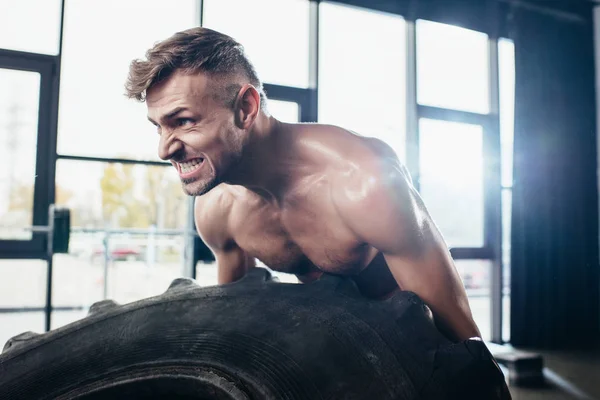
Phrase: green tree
(20,203)
(119,205)
(129,202)
(21,197)
(165,198)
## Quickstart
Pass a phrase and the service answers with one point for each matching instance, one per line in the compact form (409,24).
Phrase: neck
(264,168)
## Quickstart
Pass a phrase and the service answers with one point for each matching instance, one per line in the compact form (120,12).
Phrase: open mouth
(188,168)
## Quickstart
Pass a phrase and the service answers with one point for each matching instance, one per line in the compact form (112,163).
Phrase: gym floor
(569,375)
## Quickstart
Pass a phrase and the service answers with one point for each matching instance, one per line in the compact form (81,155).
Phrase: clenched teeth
(190,165)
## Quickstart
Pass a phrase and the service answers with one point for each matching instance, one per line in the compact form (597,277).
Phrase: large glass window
(274,34)
(506,60)
(362,73)
(101,38)
(106,258)
(19,103)
(476,277)
(22,297)
(451,179)
(124,267)
(452,67)
(121,195)
(32,25)
(285,111)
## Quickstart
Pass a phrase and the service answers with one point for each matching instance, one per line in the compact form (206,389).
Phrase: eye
(184,121)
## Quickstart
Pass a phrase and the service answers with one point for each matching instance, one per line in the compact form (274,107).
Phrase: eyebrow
(169,115)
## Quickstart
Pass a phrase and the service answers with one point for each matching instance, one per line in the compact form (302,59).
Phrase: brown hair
(193,50)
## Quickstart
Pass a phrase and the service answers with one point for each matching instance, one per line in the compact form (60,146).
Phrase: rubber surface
(253,339)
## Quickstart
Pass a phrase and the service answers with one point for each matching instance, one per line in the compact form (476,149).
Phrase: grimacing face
(197,133)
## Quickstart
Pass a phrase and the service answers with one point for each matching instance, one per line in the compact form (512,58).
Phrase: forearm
(452,318)
(435,280)
(233,265)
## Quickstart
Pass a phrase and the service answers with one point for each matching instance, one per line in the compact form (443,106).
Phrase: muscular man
(301,198)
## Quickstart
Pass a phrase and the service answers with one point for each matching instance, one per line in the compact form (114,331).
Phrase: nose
(168,145)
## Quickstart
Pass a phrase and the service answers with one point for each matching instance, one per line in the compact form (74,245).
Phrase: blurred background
(456,87)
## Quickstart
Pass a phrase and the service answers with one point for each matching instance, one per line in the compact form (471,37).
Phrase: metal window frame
(490,123)
(47,67)
(306,98)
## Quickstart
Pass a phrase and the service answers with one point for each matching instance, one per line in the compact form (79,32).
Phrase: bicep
(414,249)
(385,211)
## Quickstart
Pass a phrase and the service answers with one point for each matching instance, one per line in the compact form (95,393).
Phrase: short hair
(191,51)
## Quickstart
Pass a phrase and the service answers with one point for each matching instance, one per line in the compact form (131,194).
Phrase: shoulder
(370,170)
(349,146)
(377,202)
(367,170)
(373,185)
(211,214)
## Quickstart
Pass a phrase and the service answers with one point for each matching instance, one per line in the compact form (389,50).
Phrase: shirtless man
(302,198)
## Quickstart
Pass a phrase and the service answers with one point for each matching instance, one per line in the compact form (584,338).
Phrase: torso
(303,234)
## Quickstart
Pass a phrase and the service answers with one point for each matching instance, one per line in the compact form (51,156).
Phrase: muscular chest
(305,229)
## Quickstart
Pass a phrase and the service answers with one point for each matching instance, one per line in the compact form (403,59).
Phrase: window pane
(506,60)
(22,285)
(506,261)
(23,29)
(452,67)
(361,87)
(12,324)
(475,275)
(206,274)
(506,316)
(19,102)
(64,317)
(506,234)
(138,265)
(121,195)
(274,34)
(95,118)
(451,179)
(285,111)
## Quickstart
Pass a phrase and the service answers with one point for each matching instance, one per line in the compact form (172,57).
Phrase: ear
(247,106)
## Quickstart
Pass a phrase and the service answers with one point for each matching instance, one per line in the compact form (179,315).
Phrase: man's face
(197,131)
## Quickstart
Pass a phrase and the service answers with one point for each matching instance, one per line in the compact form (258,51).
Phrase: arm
(412,245)
(211,216)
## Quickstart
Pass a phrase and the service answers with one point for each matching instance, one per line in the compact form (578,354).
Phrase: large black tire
(253,339)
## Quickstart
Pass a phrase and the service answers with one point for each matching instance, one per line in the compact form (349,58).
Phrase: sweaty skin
(303,198)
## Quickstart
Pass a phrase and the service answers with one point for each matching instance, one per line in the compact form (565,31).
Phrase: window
(451,179)
(19,103)
(476,278)
(452,67)
(95,118)
(285,111)
(361,86)
(274,34)
(22,297)
(124,267)
(32,26)
(118,214)
(116,195)
(506,60)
